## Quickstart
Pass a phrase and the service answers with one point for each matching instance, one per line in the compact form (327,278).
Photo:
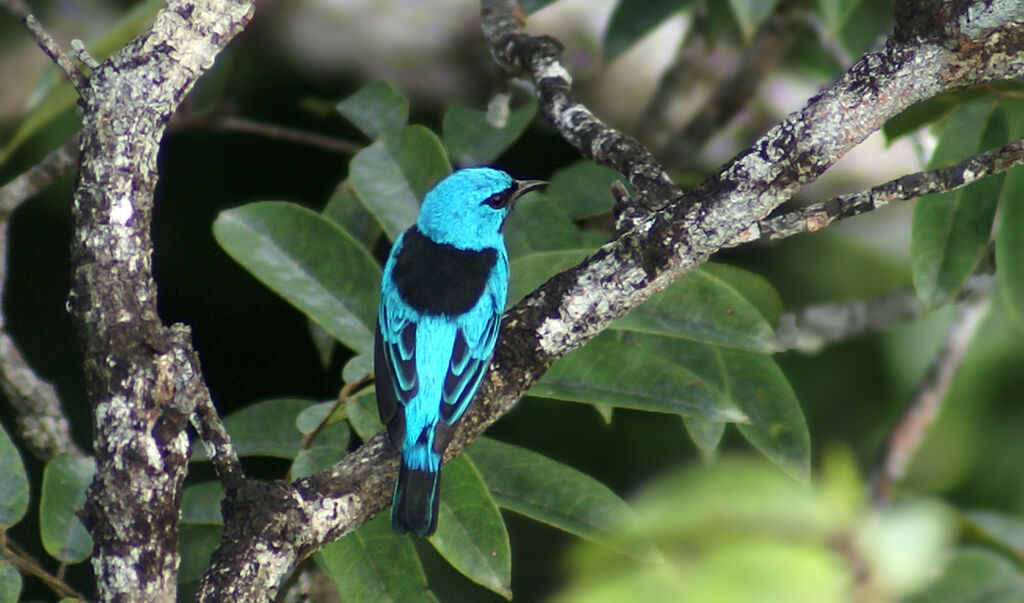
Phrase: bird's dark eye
(499,200)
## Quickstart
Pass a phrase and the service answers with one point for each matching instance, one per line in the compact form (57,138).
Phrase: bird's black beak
(524,186)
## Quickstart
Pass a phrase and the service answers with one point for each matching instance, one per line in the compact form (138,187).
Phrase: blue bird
(442,294)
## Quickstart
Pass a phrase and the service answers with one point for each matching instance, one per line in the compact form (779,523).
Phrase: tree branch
(45,41)
(268,527)
(911,186)
(140,375)
(41,421)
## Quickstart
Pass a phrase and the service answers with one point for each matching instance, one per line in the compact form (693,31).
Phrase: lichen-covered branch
(269,527)
(141,381)
(46,42)
(911,186)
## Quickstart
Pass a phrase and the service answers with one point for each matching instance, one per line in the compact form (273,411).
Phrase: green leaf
(10,582)
(631,20)
(363,415)
(470,533)
(314,459)
(536,225)
(374,565)
(928,112)
(201,503)
(196,541)
(357,368)
(975,576)
(583,189)
(750,384)
(776,423)
(346,210)
(377,109)
(532,6)
(1004,530)
(392,175)
(609,371)
(265,428)
(705,434)
(1010,245)
(750,14)
(836,12)
(310,262)
(548,491)
(950,231)
(530,271)
(14,494)
(475,137)
(65,479)
(715,304)
(54,96)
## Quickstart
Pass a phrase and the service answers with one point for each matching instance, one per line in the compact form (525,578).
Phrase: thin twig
(45,41)
(811,328)
(231,123)
(343,396)
(911,186)
(42,425)
(28,565)
(926,403)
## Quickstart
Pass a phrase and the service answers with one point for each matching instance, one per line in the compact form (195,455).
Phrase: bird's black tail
(414,505)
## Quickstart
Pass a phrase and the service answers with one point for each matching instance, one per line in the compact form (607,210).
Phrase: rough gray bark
(144,380)
(140,374)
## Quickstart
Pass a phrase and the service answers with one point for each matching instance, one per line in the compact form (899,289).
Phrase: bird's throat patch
(437,278)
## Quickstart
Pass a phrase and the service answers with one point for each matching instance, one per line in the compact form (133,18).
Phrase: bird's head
(467,208)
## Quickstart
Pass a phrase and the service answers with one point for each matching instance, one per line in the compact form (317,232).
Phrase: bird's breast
(436,278)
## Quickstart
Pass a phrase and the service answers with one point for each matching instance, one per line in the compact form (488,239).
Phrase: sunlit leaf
(470,533)
(545,490)
(310,262)
(377,109)
(392,175)
(374,565)
(65,479)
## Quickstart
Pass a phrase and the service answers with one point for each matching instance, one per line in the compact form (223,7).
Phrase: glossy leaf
(475,137)
(530,271)
(14,494)
(310,262)
(264,428)
(1010,245)
(950,231)
(975,576)
(716,304)
(346,210)
(65,479)
(196,542)
(201,503)
(363,416)
(631,20)
(377,109)
(10,582)
(374,565)
(392,175)
(776,424)
(750,14)
(752,384)
(609,371)
(537,225)
(470,533)
(314,459)
(583,189)
(548,491)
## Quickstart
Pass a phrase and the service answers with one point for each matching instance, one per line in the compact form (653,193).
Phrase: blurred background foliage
(728,524)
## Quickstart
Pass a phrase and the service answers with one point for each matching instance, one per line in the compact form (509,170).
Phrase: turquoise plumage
(442,294)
